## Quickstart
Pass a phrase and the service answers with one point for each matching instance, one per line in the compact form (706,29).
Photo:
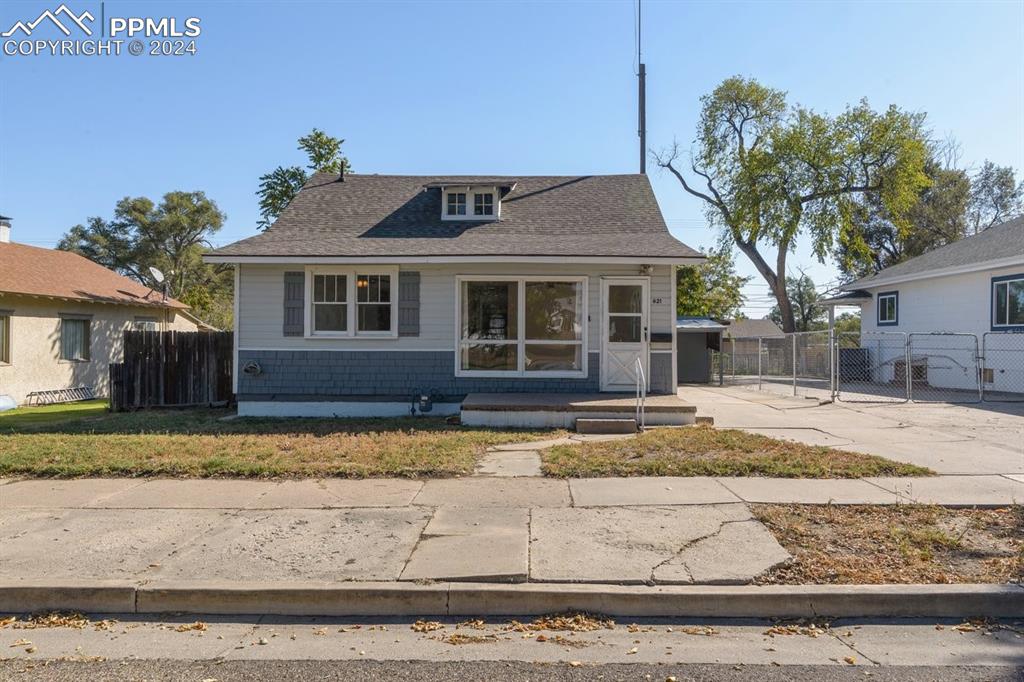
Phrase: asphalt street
(427,671)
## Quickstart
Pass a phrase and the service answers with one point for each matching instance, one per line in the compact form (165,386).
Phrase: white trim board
(338,409)
(999,264)
(561,260)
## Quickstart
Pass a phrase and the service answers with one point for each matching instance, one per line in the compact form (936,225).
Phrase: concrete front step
(606,425)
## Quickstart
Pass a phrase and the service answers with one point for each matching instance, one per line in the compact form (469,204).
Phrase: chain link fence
(879,366)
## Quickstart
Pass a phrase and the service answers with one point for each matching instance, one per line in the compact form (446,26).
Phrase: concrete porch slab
(573,402)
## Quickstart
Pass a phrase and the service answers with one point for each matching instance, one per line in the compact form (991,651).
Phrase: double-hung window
(74,339)
(1008,302)
(146,324)
(456,203)
(5,337)
(525,326)
(483,204)
(888,304)
(352,302)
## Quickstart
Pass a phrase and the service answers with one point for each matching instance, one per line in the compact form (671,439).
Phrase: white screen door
(623,333)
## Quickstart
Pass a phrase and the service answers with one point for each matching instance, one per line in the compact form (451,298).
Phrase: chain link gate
(944,367)
(871,367)
(1002,369)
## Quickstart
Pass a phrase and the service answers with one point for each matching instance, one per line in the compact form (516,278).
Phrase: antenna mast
(642,91)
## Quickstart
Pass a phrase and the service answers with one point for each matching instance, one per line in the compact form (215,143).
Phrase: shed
(696,337)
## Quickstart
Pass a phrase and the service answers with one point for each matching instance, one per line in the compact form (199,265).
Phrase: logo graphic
(52,16)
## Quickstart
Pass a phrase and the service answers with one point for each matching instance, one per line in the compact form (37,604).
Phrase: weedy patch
(908,544)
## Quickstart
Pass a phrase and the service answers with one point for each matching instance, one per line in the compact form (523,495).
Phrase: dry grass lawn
(196,443)
(706,451)
(896,544)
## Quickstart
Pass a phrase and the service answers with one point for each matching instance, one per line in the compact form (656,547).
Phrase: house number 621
(656,301)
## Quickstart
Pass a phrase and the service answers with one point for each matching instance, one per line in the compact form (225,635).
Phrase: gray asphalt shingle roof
(395,215)
(740,329)
(996,243)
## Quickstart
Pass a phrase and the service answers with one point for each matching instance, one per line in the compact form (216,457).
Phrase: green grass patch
(198,443)
(706,451)
(25,417)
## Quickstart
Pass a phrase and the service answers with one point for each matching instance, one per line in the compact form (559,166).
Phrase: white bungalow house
(376,295)
(973,287)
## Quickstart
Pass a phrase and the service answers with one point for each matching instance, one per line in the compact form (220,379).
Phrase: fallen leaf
(850,659)
(198,626)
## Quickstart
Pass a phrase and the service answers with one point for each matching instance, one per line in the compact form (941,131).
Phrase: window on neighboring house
(146,324)
(5,338)
(483,204)
(330,303)
(456,203)
(1008,301)
(353,303)
(74,339)
(888,308)
(373,303)
(522,326)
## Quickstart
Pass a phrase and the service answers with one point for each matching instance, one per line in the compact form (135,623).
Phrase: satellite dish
(157,275)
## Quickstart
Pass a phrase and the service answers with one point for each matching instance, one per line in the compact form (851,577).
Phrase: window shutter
(408,303)
(294,303)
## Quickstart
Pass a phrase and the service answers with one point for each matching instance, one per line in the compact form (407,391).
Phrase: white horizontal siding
(261,305)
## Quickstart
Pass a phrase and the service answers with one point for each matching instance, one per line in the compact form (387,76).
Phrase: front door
(624,332)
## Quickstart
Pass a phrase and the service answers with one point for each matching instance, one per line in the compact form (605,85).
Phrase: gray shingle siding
(385,373)
(398,374)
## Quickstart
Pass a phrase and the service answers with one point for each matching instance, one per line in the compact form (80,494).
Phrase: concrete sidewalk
(672,531)
(949,439)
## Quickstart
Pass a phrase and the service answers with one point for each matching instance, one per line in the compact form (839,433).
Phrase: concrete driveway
(950,439)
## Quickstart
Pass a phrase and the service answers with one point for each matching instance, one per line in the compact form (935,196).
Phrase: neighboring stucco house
(972,286)
(372,289)
(62,319)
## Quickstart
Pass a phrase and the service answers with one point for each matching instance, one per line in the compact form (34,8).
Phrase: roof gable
(990,248)
(33,271)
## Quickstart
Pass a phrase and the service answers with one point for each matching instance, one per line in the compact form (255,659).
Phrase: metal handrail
(641,395)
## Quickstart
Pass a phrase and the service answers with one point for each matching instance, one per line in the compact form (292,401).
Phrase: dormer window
(456,203)
(483,204)
(472,202)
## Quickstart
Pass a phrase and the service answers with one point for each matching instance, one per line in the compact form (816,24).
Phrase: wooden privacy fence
(172,369)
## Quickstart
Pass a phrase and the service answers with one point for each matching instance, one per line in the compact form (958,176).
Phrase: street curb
(529,599)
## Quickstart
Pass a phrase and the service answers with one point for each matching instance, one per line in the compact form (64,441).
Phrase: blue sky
(461,87)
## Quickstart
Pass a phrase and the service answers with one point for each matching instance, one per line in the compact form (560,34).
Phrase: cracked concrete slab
(472,544)
(168,493)
(809,491)
(965,491)
(753,547)
(478,492)
(303,544)
(509,463)
(625,544)
(56,494)
(98,543)
(648,490)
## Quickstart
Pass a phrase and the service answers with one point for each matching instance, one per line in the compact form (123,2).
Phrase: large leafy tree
(279,186)
(938,218)
(768,172)
(807,308)
(996,196)
(170,236)
(712,289)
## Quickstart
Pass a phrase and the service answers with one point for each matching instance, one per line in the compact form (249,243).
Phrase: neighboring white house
(975,287)
(62,319)
(371,290)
